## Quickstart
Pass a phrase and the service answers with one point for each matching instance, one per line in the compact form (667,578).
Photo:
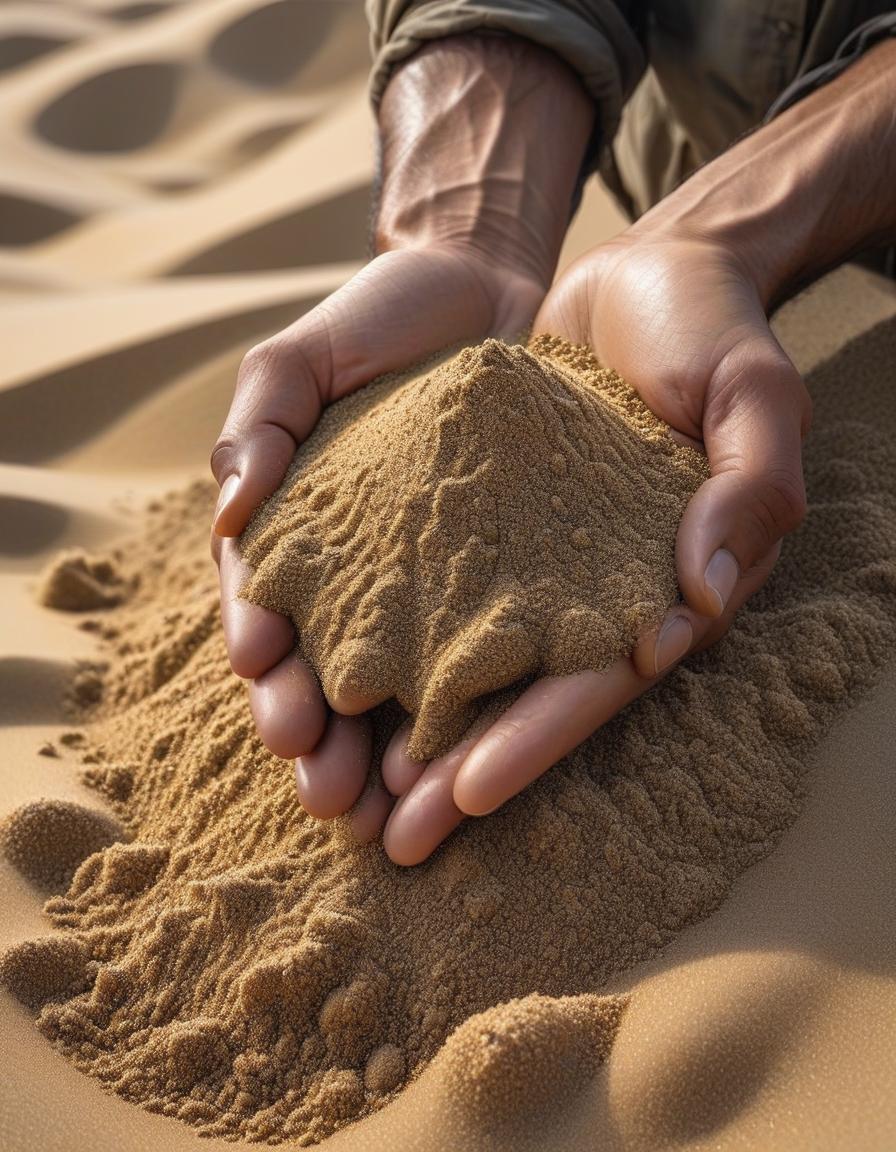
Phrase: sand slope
(179,179)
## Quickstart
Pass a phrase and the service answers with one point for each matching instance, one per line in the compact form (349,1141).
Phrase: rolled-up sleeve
(856,44)
(593,36)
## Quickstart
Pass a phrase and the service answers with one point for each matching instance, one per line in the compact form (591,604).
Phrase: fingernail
(226,495)
(674,640)
(721,575)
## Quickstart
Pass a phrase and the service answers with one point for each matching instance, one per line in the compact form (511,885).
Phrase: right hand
(401,308)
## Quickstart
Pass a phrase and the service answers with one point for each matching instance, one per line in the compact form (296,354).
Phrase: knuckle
(751,372)
(789,495)
(507,730)
(779,507)
(259,360)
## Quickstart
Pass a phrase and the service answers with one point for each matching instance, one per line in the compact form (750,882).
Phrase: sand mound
(47,840)
(513,513)
(38,971)
(528,1056)
(258,975)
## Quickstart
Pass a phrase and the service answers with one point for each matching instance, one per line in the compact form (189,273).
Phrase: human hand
(681,320)
(468,245)
(358,333)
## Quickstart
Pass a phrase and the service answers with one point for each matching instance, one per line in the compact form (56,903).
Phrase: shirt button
(784,27)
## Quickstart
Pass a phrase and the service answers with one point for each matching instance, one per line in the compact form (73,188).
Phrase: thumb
(277,401)
(401,308)
(755,415)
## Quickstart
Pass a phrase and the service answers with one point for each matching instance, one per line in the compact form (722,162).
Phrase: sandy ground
(178,180)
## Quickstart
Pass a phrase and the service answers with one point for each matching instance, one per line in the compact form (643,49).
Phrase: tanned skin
(481,142)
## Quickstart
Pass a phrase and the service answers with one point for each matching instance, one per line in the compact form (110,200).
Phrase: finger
(670,641)
(358,333)
(542,726)
(755,416)
(748,586)
(276,404)
(348,703)
(425,815)
(400,772)
(683,631)
(288,708)
(331,778)
(369,816)
(555,715)
(256,638)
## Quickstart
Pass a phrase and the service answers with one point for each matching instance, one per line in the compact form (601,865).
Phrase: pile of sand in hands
(441,537)
(234,963)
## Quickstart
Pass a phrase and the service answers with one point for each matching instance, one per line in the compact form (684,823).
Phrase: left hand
(682,321)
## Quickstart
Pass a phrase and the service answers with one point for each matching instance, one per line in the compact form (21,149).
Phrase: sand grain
(258,975)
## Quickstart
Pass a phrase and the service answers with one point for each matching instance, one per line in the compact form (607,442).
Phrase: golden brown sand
(438,539)
(77,582)
(254,973)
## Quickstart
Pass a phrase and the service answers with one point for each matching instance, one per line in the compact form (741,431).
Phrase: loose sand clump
(437,539)
(76,582)
(254,973)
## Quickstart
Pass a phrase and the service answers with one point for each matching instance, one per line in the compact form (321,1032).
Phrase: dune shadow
(332,231)
(25,221)
(270,45)
(116,111)
(28,526)
(133,12)
(44,417)
(20,49)
(32,691)
(264,139)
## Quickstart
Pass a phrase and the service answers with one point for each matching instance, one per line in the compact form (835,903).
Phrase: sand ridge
(510,514)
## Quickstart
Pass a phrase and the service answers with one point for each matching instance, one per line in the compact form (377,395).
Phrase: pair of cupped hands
(682,321)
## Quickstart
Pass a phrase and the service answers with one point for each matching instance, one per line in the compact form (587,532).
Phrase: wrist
(803,193)
(471,156)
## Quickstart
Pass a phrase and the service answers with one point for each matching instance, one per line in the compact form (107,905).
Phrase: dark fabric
(855,45)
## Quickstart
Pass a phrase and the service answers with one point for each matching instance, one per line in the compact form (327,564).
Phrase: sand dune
(180,179)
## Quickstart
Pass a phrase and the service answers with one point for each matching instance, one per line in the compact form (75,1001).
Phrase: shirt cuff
(855,45)
(594,39)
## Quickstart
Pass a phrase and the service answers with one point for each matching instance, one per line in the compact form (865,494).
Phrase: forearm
(481,139)
(805,192)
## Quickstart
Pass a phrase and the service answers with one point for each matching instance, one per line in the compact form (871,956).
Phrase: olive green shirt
(675,82)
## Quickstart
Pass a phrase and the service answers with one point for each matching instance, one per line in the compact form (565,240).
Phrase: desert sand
(142,254)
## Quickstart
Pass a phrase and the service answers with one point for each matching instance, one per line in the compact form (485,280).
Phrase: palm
(665,318)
